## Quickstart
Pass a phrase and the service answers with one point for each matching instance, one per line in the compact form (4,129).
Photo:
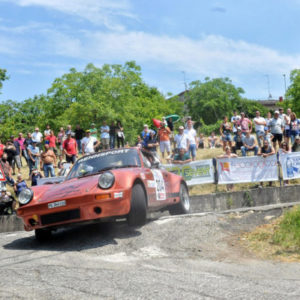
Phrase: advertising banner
(247,169)
(196,172)
(290,164)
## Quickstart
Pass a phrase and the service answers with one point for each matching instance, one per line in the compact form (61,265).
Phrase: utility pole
(268,85)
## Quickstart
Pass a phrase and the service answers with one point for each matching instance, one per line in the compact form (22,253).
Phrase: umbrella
(156,123)
(175,118)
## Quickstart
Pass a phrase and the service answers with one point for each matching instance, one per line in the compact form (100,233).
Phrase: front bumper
(76,209)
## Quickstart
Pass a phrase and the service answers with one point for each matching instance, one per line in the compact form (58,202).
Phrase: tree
(212,99)
(293,92)
(209,101)
(3,77)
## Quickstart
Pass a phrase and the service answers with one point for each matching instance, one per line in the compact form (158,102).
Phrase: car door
(157,181)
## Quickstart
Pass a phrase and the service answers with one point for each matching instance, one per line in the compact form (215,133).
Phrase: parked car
(120,183)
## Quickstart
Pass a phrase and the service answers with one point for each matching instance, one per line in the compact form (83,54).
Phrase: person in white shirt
(260,124)
(192,136)
(181,140)
(234,119)
(89,144)
(37,137)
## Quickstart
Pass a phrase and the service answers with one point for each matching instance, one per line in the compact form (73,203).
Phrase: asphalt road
(195,257)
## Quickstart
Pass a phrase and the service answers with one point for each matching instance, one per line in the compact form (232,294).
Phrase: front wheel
(183,206)
(138,210)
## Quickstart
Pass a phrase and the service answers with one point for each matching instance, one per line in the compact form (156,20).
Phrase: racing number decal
(159,185)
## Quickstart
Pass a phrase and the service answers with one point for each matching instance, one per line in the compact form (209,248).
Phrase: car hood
(79,186)
(67,189)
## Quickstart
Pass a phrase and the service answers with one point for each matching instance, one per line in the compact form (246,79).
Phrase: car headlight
(25,196)
(106,180)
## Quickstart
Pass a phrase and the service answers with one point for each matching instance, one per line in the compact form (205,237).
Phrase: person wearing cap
(276,128)
(296,145)
(104,135)
(48,161)
(260,124)
(94,131)
(89,143)
(70,148)
(181,140)
(145,135)
(33,156)
(37,136)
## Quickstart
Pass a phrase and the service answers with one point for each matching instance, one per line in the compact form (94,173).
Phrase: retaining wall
(209,202)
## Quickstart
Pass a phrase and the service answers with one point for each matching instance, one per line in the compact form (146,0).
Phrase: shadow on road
(77,238)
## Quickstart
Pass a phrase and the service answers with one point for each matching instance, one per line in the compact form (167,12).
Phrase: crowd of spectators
(45,153)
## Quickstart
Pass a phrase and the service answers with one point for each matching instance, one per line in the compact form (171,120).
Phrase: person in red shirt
(52,141)
(70,149)
(1,149)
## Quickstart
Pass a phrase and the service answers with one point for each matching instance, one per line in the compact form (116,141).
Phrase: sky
(255,43)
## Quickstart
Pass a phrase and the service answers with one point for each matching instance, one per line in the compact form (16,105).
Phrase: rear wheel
(138,209)
(183,207)
(42,235)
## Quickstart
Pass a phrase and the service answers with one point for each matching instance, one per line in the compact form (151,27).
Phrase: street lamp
(284,79)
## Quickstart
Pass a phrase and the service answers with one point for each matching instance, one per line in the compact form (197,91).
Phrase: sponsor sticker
(118,195)
(151,183)
(159,185)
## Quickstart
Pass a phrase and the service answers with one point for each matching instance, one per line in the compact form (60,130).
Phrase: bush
(287,235)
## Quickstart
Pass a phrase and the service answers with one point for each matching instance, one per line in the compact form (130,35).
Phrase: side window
(146,162)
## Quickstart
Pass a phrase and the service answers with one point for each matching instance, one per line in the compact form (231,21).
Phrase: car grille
(60,216)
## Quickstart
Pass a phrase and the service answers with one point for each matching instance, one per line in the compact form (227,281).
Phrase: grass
(278,240)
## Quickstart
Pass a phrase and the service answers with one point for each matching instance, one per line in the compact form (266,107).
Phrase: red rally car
(117,183)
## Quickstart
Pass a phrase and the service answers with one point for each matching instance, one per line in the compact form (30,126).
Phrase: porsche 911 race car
(120,183)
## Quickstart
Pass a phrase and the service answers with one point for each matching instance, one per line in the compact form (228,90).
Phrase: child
(212,140)
(268,136)
(35,175)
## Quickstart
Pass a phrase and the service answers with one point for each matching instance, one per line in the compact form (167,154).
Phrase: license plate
(57,204)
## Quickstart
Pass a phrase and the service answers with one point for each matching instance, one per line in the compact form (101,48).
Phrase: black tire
(42,235)
(183,206)
(138,209)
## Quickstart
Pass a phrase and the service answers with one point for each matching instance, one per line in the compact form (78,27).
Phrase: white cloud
(211,55)
(100,12)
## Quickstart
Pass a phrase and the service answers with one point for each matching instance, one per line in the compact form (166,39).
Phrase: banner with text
(290,164)
(196,172)
(247,169)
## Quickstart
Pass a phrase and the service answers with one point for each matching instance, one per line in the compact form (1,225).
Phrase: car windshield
(93,164)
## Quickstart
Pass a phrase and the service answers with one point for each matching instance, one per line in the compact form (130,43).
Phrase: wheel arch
(139,181)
